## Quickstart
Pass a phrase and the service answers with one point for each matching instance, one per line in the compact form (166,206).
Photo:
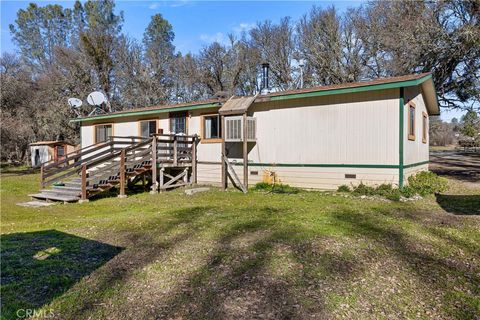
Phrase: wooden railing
(100,162)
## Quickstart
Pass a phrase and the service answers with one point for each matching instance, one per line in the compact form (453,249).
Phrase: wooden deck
(167,161)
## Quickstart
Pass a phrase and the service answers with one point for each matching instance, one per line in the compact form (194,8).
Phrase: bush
(276,188)
(363,190)
(427,182)
(262,186)
(343,188)
(384,189)
(408,192)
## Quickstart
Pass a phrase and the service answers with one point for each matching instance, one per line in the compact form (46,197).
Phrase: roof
(423,79)
(237,105)
(49,142)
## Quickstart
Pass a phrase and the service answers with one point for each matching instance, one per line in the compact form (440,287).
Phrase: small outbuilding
(45,151)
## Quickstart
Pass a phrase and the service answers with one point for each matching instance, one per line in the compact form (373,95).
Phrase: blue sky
(195,23)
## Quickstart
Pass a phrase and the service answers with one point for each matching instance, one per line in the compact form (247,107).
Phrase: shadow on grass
(459,204)
(235,281)
(438,273)
(39,266)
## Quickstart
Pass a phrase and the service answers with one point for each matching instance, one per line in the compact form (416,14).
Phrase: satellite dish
(96,98)
(74,103)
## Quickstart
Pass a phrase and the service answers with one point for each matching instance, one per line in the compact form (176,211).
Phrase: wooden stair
(98,168)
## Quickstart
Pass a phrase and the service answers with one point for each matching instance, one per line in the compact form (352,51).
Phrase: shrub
(363,190)
(384,189)
(427,182)
(343,188)
(262,186)
(408,192)
(276,188)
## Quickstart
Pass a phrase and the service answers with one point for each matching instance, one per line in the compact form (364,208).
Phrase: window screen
(147,128)
(103,132)
(211,127)
(178,122)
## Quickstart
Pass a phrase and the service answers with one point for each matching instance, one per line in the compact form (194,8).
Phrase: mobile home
(372,132)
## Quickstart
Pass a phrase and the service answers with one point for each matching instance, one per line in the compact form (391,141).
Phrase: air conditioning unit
(234,129)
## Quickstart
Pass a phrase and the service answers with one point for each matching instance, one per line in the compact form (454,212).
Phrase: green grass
(229,255)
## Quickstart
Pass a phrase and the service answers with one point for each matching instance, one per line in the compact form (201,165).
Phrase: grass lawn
(227,255)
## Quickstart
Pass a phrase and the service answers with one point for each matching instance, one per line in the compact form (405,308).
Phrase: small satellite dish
(74,103)
(96,98)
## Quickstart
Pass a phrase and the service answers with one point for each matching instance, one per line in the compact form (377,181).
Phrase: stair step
(79,188)
(46,196)
(61,192)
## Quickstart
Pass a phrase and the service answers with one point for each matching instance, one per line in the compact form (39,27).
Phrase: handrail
(75,166)
(95,162)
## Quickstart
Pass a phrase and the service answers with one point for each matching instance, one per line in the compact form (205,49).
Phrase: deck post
(161,178)
(154,165)
(223,156)
(83,197)
(175,149)
(194,159)
(245,152)
(42,178)
(122,175)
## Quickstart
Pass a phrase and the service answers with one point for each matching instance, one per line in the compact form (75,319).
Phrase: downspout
(400,137)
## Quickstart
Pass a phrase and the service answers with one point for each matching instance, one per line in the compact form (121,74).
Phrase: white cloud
(222,38)
(171,4)
(154,5)
(244,26)
(218,37)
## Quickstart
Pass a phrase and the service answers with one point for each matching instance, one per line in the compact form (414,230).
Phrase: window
(60,151)
(411,121)
(211,128)
(103,132)
(424,127)
(147,128)
(178,122)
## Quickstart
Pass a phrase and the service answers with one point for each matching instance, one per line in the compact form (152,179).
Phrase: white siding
(415,151)
(305,177)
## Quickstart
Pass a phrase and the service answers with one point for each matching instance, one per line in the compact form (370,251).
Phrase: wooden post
(185,177)
(42,179)
(122,175)
(175,158)
(154,165)
(222,160)
(245,152)
(161,178)
(194,159)
(84,184)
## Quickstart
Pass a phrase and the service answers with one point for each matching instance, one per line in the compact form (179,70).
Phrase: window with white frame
(147,128)
(103,132)
(211,127)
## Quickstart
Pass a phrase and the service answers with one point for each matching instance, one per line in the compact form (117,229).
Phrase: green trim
(146,112)
(370,87)
(400,137)
(415,164)
(319,165)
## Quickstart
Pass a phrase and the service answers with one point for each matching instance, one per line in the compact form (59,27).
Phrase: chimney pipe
(265,86)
